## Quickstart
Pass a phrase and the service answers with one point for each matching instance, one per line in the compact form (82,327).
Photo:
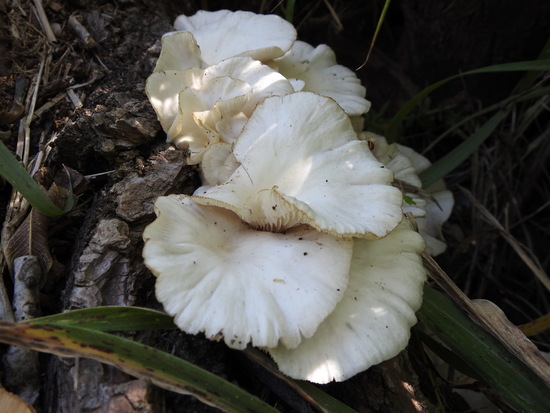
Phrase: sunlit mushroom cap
(218,164)
(163,89)
(179,52)
(314,69)
(263,80)
(200,107)
(302,164)
(222,34)
(372,322)
(218,276)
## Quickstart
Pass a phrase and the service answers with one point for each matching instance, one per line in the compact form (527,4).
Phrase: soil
(105,132)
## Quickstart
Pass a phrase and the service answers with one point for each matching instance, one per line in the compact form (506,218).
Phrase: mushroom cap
(218,164)
(222,34)
(163,89)
(314,69)
(218,276)
(200,110)
(433,206)
(179,52)
(438,210)
(263,80)
(199,107)
(404,171)
(372,322)
(438,207)
(229,118)
(391,156)
(302,164)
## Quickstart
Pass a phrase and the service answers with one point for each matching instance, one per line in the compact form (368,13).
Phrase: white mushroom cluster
(297,241)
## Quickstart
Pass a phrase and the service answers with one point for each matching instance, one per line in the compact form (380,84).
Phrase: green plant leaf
(20,179)
(530,77)
(139,360)
(289,10)
(447,163)
(394,124)
(324,400)
(376,31)
(447,355)
(515,383)
(110,318)
(512,100)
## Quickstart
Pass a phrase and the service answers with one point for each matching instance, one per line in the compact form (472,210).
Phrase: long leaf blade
(137,359)
(376,32)
(395,123)
(20,179)
(511,379)
(326,401)
(110,318)
(447,163)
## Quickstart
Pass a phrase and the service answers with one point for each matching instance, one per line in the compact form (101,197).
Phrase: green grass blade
(447,163)
(326,401)
(376,31)
(289,10)
(111,318)
(139,360)
(394,124)
(515,383)
(20,179)
(530,77)
(512,100)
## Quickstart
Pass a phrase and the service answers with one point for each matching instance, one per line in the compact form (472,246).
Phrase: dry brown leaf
(536,326)
(516,341)
(31,238)
(9,402)
(526,256)
(492,319)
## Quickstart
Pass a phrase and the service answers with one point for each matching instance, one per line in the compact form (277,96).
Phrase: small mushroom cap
(302,164)
(404,172)
(222,34)
(218,276)
(391,156)
(263,80)
(199,107)
(179,52)
(218,164)
(163,89)
(316,70)
(432,206)
(438,210)
(229,118)
(372,322)
(438,207)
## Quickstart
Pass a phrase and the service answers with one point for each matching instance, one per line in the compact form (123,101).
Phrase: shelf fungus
(301,163)
(314,69)
(222,34)
(372,321)
(217,275)
(297,241)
